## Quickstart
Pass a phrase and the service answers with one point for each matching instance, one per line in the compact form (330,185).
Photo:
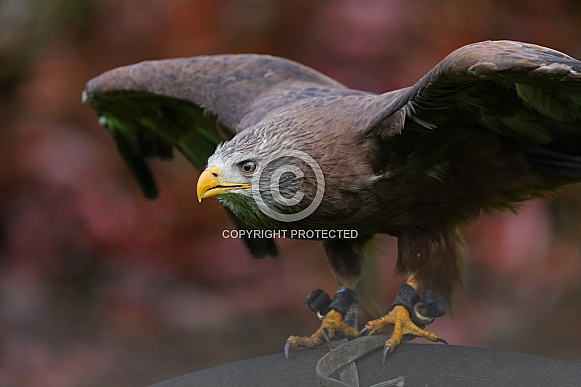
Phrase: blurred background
(99,286)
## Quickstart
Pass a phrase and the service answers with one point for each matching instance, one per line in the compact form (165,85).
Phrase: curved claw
(387,350)
(363,332)
(440,340)
(287,347)
(331,327)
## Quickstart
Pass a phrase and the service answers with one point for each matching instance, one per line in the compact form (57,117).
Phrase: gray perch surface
(409,365)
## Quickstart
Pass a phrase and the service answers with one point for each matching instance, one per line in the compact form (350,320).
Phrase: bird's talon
(403,327)
(363,332)
(290,344)
(331,327)
(440,340)
(387,350)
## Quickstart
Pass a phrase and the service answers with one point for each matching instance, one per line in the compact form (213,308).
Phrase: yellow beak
(209,184)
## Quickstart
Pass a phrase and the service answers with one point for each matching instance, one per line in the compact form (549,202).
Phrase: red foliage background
(100,287)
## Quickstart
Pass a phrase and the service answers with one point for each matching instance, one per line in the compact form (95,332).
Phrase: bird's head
(226,177)
(260,172)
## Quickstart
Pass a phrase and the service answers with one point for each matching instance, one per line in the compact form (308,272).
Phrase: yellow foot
(331,327)
(399,317)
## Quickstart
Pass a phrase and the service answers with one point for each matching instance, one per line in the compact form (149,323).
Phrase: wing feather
(545,81)
(526,93)
(193,104)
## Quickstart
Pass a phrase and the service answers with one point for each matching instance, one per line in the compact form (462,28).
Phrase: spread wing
(193,104)
(522,92)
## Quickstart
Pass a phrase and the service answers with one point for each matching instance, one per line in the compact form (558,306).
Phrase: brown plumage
(492,125)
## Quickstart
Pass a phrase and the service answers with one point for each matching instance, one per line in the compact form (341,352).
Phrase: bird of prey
(286,148)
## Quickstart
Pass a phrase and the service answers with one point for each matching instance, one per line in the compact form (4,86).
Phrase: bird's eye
(248,167)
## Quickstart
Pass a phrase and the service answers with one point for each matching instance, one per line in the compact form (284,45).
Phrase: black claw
(387,350)
(440,340)
(287,346)
(363,332)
